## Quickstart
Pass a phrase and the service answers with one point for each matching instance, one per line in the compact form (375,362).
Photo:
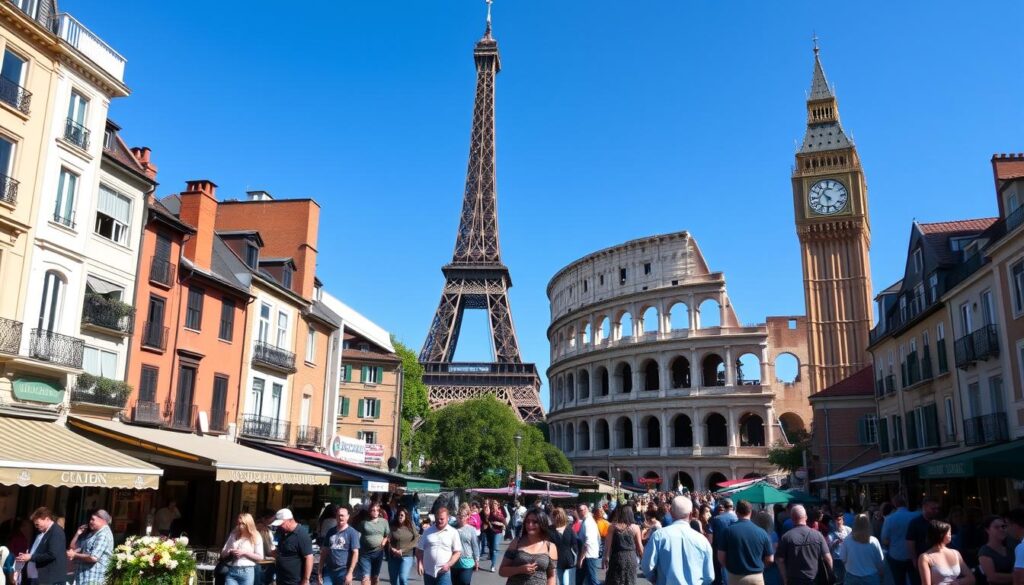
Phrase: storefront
(210,478)
(43,463)
(989,478)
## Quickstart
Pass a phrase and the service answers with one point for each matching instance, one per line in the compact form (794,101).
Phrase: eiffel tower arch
(476,278)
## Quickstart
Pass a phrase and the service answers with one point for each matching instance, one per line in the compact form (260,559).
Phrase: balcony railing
(76,134)
(65,220)
(264,427)
(16,96)
(307,435)
(890,384)
(219,420)
(274,357)
(161,271)
(154,335)
(980,344)
(59,349)
(108,313)
(180,416)
(8,189)
(89,44)
(99,390)
(148,413)
(10,336)
(987,428)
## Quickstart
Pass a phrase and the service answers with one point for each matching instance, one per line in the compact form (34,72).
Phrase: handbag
(826,574)
(222,568)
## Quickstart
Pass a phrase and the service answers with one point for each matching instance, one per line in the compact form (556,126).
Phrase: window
(263,332)
(343,406)
(988,311)
(958,244)
(282,329)
(7,168)
(903,308)
(147,384)
(75,131)
(368,436)
(194,310)
(584,286)
(227,319)
(600,279)
(918,261)
(160,270)
(256,396)
(64,209)
(219,403)
(310,344)
(100,362)
(966,320)
(647,267)
(1017,287)
(995,394)
(897,431)
(622,276)
(867,430)
(49,308)
(113,214)
(950,419)
(883,435)
(1012,203)
(252,254)
(13,70)
(286,276)
(77,107)
(371,375)
(346,373)
(276,395)
(369,408)
(108,139)
(974,399)
(29,7)
(933,287)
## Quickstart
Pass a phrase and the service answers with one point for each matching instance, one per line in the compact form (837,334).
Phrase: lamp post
(518,438)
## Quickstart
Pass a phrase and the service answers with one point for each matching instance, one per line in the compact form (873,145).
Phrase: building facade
(844,432)
(653,376)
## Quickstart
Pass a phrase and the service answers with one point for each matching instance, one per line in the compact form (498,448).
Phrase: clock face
(827,197)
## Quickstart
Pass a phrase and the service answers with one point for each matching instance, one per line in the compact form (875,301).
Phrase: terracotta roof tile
(958,226)
(860,384)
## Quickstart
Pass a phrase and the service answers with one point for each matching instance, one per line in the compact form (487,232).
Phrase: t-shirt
(1018,555)
(801,548)
(373,533)
(341,543)
(720,523)
(292,548)
(745,545)
(438,546)
(917,531)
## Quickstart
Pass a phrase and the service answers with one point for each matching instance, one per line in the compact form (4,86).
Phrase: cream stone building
(653,376)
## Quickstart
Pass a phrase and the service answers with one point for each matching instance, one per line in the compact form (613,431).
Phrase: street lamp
(518,438)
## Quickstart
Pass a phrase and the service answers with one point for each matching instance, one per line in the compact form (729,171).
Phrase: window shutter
(344,406)
(883,435)
(376,413)
(380,375)
(348,373)
(364,373)
(862,430)
(362,407)
(931,425)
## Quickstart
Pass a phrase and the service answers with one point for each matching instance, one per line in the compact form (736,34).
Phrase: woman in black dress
(531,559)
(622,548)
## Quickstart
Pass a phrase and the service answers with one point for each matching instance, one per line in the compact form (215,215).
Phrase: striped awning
(35,452)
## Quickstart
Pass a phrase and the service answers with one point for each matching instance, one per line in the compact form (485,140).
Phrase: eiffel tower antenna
(476,278)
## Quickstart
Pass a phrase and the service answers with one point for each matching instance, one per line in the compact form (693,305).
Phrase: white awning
(101,287)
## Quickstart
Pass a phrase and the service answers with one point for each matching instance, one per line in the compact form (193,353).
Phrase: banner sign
(348,449)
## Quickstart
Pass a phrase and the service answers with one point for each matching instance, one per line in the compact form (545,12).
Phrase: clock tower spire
(830,204)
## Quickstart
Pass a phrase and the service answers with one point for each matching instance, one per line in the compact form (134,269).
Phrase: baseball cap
(282,515)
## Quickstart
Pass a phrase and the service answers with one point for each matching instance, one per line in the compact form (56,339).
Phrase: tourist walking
(590,548)
(531,559)
(765,521)
(46,562)
(339,550)
(438,550)
(567,543)
(518,514)
(744,549)
(485,529)
(894,540)
(677,554)
(623,546)
(862,555)
(995,558)
(401,547)
(242,550)
(651,524)
(294,550)
(918,536)
(939,564)
(801,551)
(469,560)
(718,524)
(91,548)
(373,538)
(496,519)
(837,532)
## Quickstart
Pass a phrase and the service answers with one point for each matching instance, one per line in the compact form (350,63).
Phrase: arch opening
(748,370)
(751,430)
(650,320)
(787,368)
(680,367)
(623,433)
(712,370)
(624,378)
(602,381)
(602,438)
(650,427)
(584,384)
(710,314)
(682,431)
(679,316)
(651,375)
(717,430)
(715,478)
(583,440)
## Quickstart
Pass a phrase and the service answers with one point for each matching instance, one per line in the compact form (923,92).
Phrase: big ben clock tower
(830,202)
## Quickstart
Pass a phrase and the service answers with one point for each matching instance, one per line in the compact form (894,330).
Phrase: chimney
(199,209)
(142,156)
(259,196)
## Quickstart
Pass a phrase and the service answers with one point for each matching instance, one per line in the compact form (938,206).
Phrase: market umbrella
(762,493)
(801,497)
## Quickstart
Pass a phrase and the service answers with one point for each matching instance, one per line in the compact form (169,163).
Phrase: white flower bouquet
(151,560)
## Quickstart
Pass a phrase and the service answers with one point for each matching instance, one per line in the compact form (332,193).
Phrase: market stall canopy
(992,461)
(35,452)
(345,469)
(580,482)
(507,491)
(229,460)
(801,497)
(762,493)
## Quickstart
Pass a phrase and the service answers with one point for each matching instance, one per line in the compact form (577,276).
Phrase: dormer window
(318,292)
(918,261)
(286,276)
(364,346)
(957,244)
(252,254)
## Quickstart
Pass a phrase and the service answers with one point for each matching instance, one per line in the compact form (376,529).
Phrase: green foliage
(414,391)
(104,390)
(790,458)
(470,444)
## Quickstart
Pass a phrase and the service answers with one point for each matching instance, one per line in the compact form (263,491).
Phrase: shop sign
(376,486)
(257,476)
(374,453)
(38,390)
(348,449)
(940,470)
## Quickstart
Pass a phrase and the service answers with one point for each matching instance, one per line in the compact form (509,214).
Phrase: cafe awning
(874,468)
(345,469)
(991,461)
(228,460)
(36,452)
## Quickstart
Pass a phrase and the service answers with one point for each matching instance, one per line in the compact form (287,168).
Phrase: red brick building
(844,433)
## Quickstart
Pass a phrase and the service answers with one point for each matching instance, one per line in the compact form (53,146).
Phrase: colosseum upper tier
(652,375)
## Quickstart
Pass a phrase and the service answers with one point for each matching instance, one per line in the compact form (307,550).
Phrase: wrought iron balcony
(10,336)
(307,435)
(16,96)
(161,271)
(148,413)
(76,134)
(890,384)
(219,420)
(180,416)
(987,428)
(66,221)
(99,390)
(274,357)
(59,349)
(8,189)
(980,344)
(264,427)
(108,314)
(154,335)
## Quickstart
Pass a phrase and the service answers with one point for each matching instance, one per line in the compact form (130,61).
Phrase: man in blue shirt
(894,537)
(677,553)
(744,549)
(717,527)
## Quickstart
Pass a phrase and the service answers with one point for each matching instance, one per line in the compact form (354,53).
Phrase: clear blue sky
(615,119)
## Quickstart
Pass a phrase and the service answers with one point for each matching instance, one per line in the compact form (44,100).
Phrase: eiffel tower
(477,279)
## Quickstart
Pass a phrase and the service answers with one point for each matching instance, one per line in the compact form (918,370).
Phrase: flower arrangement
(150,560)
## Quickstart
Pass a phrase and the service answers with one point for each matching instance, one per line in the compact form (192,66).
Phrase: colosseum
(654,378)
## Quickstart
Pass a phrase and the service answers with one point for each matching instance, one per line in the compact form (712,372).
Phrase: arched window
(787,368)
(51,302)
(680,367)
(584,384)
(624,378)
(712,371)
(603,386)
(650,373)
(651,429)
(714,479)
(751,430)
(710,314)
(717,430)
(583,440)
(682,431)
(625,325)
(623,433)
(679,314)
(602,437)
(650,320)
(570,388)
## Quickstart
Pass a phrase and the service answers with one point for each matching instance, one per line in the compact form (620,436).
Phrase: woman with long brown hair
(401,547)
(622,548)
(244,548)
(531,559)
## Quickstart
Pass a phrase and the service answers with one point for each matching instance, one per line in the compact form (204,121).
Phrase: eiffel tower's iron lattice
(477,279)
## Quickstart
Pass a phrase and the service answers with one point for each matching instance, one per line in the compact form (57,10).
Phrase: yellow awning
(229,460)
(35,452)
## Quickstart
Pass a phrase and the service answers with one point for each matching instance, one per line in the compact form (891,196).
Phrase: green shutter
(344,406)
(883,435)
(377,415)
(380,375)
(348,373)
(364,373)
(361,407)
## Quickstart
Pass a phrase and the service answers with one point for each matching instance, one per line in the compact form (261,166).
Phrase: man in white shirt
(438,550)
(590,542)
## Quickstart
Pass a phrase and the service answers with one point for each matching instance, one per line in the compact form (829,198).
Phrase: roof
(893,288)
(241,234)
(937,235)
(358,323)
(120,152)
(820,89)
(325,314)
(826,135)
(225,265)
(860,384)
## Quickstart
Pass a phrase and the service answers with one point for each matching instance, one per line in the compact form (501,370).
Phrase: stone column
(723,300)
(635,372)
(765,379)
(694,314)
(730,367)
(665,434)
(697,426)
(769,426)
(591,430)
(638,322)
(733,432)
(695,381)
(635,421)
(664,376)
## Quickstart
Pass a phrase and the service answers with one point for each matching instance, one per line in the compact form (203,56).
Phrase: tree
(790,458)
(414,404)
(471,444)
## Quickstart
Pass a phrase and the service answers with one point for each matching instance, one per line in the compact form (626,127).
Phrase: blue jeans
(493,539)
(442,579)
(240,576)
(398,569)
(852,579)
(369,565)
(587,574)
(462,576)
(336,576)
(567,576)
